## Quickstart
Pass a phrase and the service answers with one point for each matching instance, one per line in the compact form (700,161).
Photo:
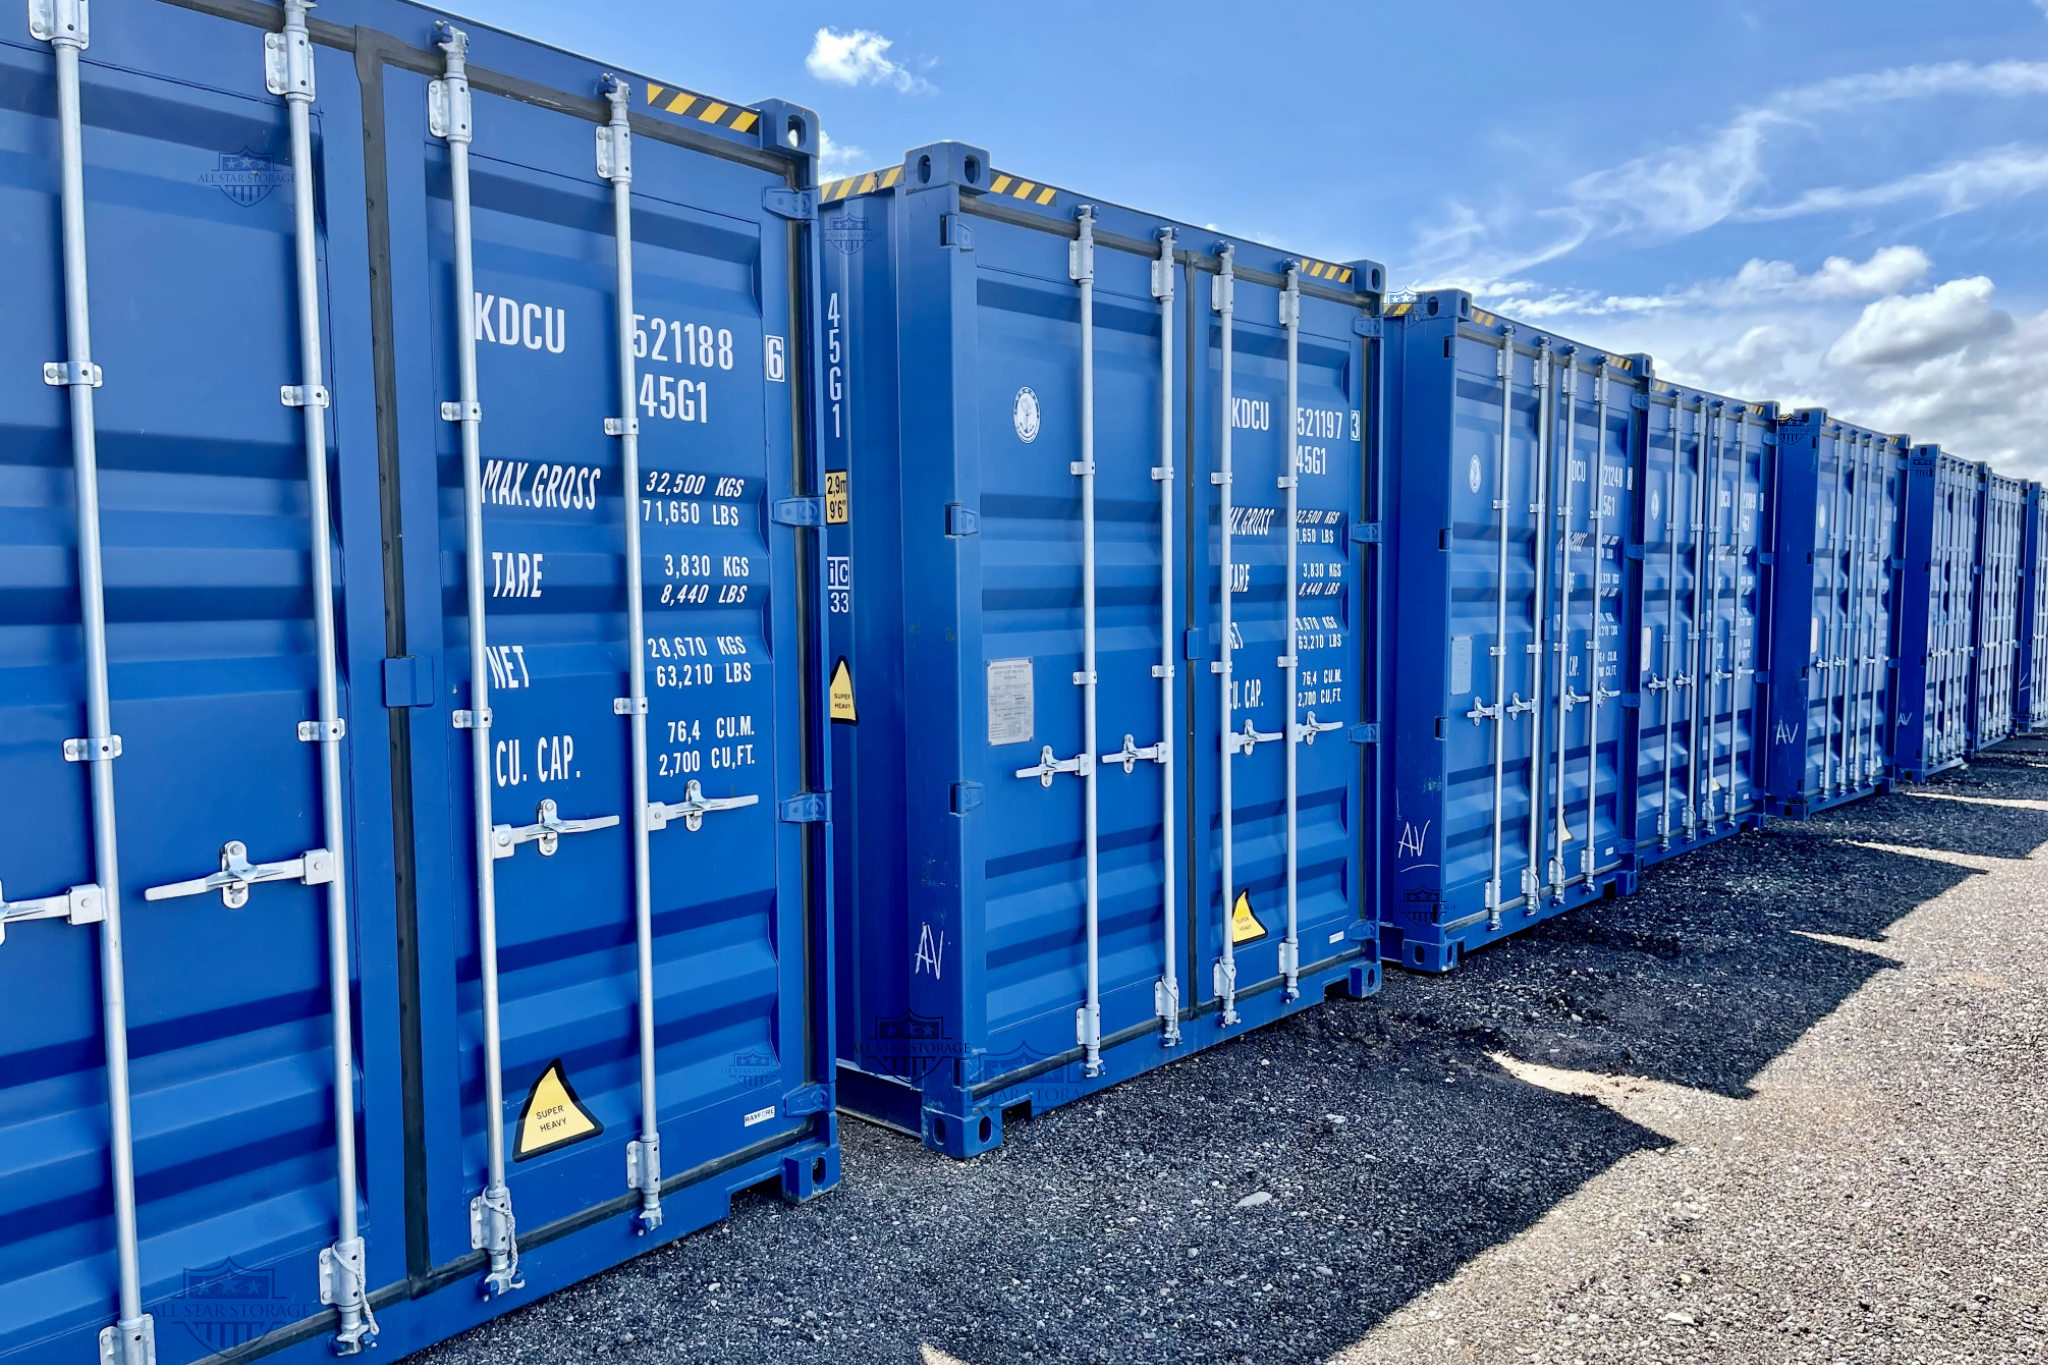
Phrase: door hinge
(1633,551)
(1365,533)
(1762,675)
(809,1099)
(798,512)
(955,230)
(1370,328)
(1639,402)
(1195,644)
(793,204)
(1632,701)
(962,520)
(967,796)
(807,808)
(1366,733)
(1365,931)
(409,681)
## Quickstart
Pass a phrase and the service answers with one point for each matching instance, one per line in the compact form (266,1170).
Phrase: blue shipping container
(310,293)
(1513,472)
(1707,463)
(2030,706)
(1994,657)
(1835,509)
(1937,599)
(1073,846)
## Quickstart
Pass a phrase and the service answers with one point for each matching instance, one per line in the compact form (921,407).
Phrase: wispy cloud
(2002,173)
(860,57)
(1691,186)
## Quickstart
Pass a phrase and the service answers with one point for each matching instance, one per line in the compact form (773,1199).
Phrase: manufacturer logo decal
(1024,415)
(247,177)
(1656,505)
(1472,474)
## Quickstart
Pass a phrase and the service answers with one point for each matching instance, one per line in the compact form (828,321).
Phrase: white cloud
(1942,364)
(1888,270)
(1902,329)
(838,158)
(860,57)
(2002,173)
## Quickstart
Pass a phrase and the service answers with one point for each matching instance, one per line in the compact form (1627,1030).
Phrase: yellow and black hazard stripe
(1401,309)
(1323,270)
(833,190)
(704,109)
(1016,187)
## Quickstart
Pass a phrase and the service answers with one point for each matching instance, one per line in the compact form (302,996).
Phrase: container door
(2032,705)
(1492,777)
(2004,510)
(1735,536)
(1590,499)
(1249,861)
(730,726)
(224,859)
(1828,674)
(1669,487)
(1952,610)
(1046,852)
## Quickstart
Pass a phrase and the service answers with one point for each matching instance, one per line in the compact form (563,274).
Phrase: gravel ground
(1786,1104)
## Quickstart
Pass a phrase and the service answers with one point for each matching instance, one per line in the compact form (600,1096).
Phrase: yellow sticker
(553,1116)
(1244,925)
(842,694)
(835,497)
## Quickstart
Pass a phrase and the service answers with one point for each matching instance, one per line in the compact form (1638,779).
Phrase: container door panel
(721,649)
(1029,411)
(204,516)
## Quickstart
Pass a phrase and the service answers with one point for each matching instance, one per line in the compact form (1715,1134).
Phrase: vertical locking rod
(1832,779)
(1859,618)
(1290,322)
(1710,551)
(615,163)
(492,1228)
(1559,878)
(1671,682)
(1223,300)
(1167,1000)
(1539,611)
(1081,268)
(289,68)
(1500,619)
(63,25)
(1596,477)
(1695,654)
(1735,559)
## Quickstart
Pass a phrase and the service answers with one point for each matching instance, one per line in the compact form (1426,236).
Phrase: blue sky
(1833,203)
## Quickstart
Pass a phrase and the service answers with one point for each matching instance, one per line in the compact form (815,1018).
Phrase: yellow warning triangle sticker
(842,694)
(1244,925)
(553,1116)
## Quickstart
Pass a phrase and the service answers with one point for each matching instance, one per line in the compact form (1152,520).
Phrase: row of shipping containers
(451,856)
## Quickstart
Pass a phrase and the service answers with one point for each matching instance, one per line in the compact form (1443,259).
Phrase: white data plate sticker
(759,1116)
(1009,701)
(1461,664)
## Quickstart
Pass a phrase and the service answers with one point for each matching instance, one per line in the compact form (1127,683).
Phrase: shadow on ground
(1390,1150)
